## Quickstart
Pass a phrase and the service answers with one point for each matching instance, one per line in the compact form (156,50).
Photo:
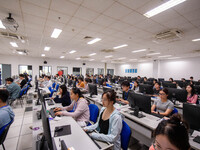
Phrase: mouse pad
(65,131)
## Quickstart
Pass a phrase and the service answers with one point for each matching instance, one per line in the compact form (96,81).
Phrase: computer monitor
(182,84)
(46,129)
(69,82)
(197,89)
(120,81)
(92,89)
(39,97)
(140,102)
(73,83)
(146,89)
(161,79)
(177,95)
(191,113)
(168,85)
(149,82)
(150,79)
(105,88)
(36,85)
(196,83)
(100,82)
(112,80)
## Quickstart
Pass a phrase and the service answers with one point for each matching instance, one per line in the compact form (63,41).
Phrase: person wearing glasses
(109,123)
(171,134)
(162,106)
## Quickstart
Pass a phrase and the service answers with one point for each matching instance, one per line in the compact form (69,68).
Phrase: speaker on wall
(45,62)
(83,63)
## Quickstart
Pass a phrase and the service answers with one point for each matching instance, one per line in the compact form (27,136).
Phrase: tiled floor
(19,136)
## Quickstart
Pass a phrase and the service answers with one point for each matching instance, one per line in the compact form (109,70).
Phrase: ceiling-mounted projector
(10,23)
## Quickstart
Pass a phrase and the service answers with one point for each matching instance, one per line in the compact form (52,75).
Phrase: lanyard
(126,95)
(75,105)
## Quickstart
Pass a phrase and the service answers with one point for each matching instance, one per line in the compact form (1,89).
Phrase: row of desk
(142,128)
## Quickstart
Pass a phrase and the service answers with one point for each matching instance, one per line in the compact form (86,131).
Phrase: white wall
(143,69)
(180,68)
(36,62)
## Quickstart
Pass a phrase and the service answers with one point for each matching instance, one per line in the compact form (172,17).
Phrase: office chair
(57,87)
(125,135)
(54,85)
(3,133)
(175,111)
(94,112)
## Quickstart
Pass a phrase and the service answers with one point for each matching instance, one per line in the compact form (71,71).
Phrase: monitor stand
(136,113)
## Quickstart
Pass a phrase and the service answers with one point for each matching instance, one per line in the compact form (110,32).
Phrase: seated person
(145,79)
(23,81)
(156,89)
(125,88)
(177,86)
(49,82)
(171,134)
(13,89)
(191,96)
(136,86)
(183,79)
(86,83)
(65,97)
(109,123)
(191,78)
(163,106)
(80,83)
(79,107)
(5,110)
(155,81)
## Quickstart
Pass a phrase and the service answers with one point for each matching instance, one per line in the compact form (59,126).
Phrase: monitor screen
(197,89)
(191,113)
(146,88)
(177,95)
(105,88)
(92,89)
(168,84)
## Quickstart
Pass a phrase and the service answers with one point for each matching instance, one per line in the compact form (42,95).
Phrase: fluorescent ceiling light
(121,58)
(46,48)
(120,46)
(132,59)
(165,56)
(162,8)
(43,55)
(153,54)
(94,41)
(1,25)
(13,44)
(62,56)
(56,33)
(108,56)
(174,58)
(140,50)
(21,53)
(92,54)
(78,58)
(91,59)
(103,61)
(73,51)
(196,40)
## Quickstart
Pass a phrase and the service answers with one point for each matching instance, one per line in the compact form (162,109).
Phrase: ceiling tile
(42,3)
(58,17)
(133,18)
(78,22)
(104,20)
(118,25)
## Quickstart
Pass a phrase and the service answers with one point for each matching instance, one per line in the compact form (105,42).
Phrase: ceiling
(116,22)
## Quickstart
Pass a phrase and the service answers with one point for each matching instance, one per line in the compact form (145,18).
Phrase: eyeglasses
(157,146)
(162,94)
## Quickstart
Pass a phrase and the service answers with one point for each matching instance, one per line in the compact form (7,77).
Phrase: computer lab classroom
(99,74)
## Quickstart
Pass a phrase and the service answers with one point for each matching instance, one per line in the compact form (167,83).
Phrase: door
(6,72)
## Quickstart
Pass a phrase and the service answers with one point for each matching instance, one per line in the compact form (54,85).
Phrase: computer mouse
(57,129)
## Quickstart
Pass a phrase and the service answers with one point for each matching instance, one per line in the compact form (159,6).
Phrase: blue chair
(3,133)
(175,111)
(50,89)
(53,85)
(57,86)
(125,135)
(108,85)
(94,112)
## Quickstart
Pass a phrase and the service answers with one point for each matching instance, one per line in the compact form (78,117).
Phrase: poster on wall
(130,70)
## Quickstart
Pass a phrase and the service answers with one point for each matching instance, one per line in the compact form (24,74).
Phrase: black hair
(87,80)
(111,95)
(137,84)
(176,131)
(64,89)
(158,83)
(80,78)
(171,79)
(191,77)
(21,75)
(126,83)
(4,94)
(49,77)
(165,91)
(77,91)
(193,90)
(9,79)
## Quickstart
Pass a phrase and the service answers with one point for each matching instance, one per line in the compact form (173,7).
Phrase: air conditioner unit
(12,36)
(170,34)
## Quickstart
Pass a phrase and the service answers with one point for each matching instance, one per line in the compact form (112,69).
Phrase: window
(62,70)
(90,71)
(100,71)
(77,71)
(110,71)
(45,70)
(25,69)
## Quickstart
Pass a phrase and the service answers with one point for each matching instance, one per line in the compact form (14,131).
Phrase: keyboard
(157,115)
(119,102)
(50,102)
(197,139)
(52,113)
